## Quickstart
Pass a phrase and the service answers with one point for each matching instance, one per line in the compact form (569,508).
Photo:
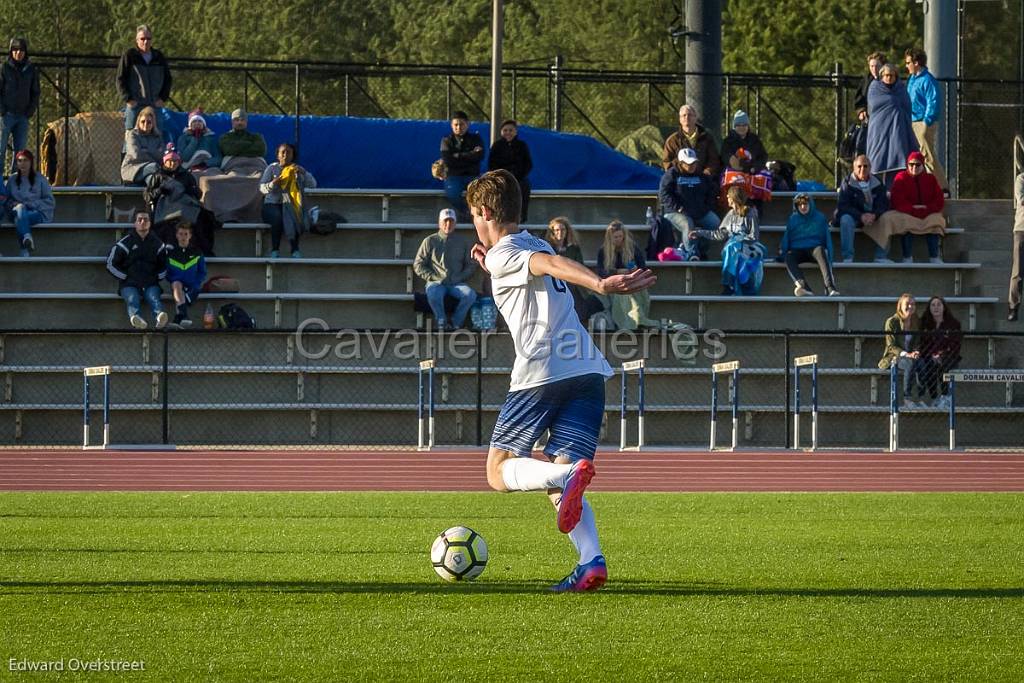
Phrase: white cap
(445,215)
(687,155)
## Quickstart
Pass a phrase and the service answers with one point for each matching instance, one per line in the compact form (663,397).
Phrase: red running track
(463,470)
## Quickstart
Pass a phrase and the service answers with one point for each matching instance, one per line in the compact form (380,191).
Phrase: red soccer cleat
(571,506)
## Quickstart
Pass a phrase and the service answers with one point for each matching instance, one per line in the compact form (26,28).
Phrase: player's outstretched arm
(570,271)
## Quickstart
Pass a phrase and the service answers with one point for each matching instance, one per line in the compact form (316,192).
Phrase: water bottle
(650,214)
(209,321)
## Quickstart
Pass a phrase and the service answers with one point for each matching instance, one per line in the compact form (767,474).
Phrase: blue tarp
(348,152)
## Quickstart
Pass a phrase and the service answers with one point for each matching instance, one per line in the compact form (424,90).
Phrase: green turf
(252,587)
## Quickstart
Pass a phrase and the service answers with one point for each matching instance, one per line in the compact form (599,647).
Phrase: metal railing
(356,388)
(799,117)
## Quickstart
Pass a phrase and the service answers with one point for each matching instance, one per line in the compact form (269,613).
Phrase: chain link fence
(78,130)
(359,389)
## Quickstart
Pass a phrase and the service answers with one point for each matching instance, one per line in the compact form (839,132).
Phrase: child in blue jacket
(186,271)
(807,239)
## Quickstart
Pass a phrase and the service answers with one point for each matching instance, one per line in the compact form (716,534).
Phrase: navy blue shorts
(572,409)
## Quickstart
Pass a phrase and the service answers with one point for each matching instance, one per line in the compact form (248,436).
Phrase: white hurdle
(894,409)
(97,371)
(425,442)
(716,369)
(799,362)
(630,366)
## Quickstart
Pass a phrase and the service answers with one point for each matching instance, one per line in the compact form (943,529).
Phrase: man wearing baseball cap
(688,199)
(444,262)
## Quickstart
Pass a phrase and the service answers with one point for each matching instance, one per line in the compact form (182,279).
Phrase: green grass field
(252,587)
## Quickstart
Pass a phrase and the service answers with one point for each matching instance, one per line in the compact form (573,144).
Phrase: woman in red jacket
(916,204)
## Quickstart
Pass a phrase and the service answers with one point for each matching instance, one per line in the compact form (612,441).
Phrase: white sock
(528,474)
(584,536)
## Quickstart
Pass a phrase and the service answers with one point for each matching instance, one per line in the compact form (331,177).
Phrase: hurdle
(628,367)
(87,373)
(972,376)
(799,362)
(425,440)
(716,369)
(894,409)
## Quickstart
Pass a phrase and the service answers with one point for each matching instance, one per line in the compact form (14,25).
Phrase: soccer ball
(459,554)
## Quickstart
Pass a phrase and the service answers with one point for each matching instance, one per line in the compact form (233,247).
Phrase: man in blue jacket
(807,239)
(688,199)
(923,90)
(861,200)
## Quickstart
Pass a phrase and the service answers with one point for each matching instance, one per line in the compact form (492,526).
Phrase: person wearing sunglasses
(917,203)
(890,135)
(144,80)
(861,199)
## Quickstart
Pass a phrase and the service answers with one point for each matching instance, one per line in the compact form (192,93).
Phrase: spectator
(144,79)
(562,239)
(940,350)
(697,138)
(741,223)
(283,185)
(197,144)
(511,153)
(860,98)
(1017,269)
(621,255)
(462,152)
(29,199)
(861,200)
(923,91)
(807,238)
(144,149)
(916,204)
(240,142)
(443,261)
(688,198)
(890,137)
(739,140)
(139,261)
(19,98)
(902,332)
(172,194)
(186,271)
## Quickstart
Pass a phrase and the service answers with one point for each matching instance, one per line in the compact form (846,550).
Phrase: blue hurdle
(638,366)
(716,369)
(894,409)
(425,442)
(972,376)
(87,373)
(798,363)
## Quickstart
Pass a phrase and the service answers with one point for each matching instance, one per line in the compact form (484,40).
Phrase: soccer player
(558,376)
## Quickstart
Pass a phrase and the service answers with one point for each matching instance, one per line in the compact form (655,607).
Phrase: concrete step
(358,310)
(36,274)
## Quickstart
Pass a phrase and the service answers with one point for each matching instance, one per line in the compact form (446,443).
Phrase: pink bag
(670,254)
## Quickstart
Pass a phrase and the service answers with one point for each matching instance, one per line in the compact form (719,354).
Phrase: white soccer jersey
(551,344)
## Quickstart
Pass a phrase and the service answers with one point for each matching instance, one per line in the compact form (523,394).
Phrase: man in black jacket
(462,152)
(139,262)
(511,153)
(143,79)
(860,200)
(19,98)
